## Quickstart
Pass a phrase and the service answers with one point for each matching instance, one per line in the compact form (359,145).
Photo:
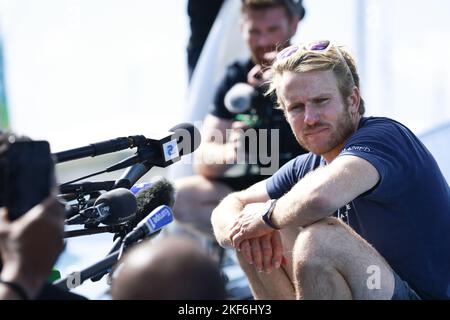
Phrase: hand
(249,224)
(236,141)
(30,245)
(259,74)
(265,253)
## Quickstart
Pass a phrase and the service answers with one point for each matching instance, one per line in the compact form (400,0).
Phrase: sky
(83,71)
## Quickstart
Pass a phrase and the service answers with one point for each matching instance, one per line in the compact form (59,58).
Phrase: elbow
(320,206)
(217,227)
(205,171)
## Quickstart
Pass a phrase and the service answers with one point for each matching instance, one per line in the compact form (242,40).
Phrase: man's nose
(264,40)
(312,115)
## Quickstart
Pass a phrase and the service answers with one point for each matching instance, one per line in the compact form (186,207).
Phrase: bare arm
(214,153)
(325,190)
(225,214)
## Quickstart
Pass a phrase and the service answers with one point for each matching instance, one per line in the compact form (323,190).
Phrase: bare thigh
(329,243)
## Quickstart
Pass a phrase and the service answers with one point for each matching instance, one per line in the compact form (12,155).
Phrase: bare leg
(274,286)
(196,198)
(326,260)
(331,261)
(279,284)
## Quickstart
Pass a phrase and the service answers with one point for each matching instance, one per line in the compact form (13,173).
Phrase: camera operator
(30,244)
(265,25)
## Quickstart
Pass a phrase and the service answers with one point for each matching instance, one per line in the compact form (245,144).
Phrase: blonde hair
(301,58)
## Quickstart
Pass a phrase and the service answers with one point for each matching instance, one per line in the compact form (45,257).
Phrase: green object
(251,120)
(54,275)
(4,119)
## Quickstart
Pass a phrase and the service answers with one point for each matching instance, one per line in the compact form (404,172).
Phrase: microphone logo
(103,211)
(162,216)
(170,150)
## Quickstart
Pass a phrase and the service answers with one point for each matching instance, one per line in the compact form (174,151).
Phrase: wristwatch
(267,214)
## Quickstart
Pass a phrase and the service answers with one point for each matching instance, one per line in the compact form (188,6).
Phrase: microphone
(149,196)
(161,192)
(161,150)
(140,186)
(99,148)
(239,98)
(185,139)
(132,175)
(187,136)
(158,218)
(111,208)
(86,187)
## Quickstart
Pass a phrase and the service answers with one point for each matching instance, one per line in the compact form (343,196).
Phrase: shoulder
(389,146)
(239,69)
(380,131)
(305,163)
(235,73)
(297,168)
(380,125)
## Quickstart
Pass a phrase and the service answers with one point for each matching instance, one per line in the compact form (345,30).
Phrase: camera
(249,105)
(26,173)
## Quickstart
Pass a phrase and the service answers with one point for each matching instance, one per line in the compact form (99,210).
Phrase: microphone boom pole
(100,148)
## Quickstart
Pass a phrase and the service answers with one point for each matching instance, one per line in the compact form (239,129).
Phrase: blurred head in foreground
(173,268)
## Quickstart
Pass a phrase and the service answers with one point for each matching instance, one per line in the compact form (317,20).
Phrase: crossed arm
(218,151)
(313,198)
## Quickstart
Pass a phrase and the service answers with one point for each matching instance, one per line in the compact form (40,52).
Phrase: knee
(185,190)
(315,243)
(196,194)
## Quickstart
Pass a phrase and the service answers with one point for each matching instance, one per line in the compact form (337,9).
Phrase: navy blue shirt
(406,216)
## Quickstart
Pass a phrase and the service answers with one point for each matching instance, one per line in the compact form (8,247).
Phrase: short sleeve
(288,175)
(387,146)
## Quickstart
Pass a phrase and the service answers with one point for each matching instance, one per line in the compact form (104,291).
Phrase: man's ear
(293,25)
(354,100)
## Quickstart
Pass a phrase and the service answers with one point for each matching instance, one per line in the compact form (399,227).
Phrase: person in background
(265,25)
(202,14)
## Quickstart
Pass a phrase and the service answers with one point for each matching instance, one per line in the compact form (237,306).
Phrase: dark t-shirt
(406,216)
(268,117)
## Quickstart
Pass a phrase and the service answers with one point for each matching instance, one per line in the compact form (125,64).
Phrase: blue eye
(297,108)
(323,100)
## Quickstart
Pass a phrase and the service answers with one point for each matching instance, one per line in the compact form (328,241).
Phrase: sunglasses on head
(321,45)
(315,46)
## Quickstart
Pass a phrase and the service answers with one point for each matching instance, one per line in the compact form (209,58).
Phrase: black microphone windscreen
(188,137)
(159,193)
(122,205)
